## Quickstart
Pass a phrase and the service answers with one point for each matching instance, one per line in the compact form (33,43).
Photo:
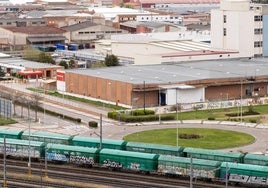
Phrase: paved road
(116,130)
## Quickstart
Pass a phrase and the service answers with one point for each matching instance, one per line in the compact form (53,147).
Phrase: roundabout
(205,138)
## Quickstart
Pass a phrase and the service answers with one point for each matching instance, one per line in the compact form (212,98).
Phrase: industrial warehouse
(153,85)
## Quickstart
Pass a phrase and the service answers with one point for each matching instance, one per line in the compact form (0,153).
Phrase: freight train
(118,154)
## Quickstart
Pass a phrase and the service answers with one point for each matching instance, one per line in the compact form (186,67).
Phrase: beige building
(19,37)
(89,31)
(165,48)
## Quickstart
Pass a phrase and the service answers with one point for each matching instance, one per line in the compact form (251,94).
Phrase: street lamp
(226,175)
(44,103)
(46,174)
(177,117)
(63,96)
(100,134)
(133,100)
(29,138)
(241,112)
(159,105)
(5,180)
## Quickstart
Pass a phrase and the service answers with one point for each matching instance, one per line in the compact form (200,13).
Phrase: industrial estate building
(238,25)
(178,71)
(151,85)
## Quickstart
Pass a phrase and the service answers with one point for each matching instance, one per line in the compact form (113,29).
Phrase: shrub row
(141,118)
(142,112)
(248,113)
(189,136)
(93,124)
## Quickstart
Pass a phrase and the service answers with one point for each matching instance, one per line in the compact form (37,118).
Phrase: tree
(64,64)
(45,58)
(2,72)
(31,54)
(72,64)
(34,101)
(111,60)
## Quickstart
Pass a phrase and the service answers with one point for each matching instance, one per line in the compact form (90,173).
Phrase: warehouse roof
(181,72)
(33,30)
(76,27)
(22,64)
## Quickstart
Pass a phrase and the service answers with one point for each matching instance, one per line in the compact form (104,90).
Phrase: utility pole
(191,171)
(144,96)
(5,180)
(46,174)
(177,118)
(159,105)
(100,131)
(29,147)
(226,175)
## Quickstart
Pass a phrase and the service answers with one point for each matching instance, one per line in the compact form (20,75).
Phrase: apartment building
(239,25)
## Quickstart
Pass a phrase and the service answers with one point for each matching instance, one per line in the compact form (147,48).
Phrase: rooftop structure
(188,72)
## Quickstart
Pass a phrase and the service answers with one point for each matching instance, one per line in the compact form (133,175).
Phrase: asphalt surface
(116,130)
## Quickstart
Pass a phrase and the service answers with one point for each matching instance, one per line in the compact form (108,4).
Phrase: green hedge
(93,124)
(248,113)
(142,112)
(120,116)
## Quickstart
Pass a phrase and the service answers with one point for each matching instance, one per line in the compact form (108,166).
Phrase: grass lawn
(4,121)
(209,138)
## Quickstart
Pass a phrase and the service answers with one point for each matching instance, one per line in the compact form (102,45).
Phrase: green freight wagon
(47,137)
(214,155)
(154,148)
(72,154)
(128,160)
(23,148)
(245,173)
(256,159)
(181,166)
(95,142)
(15,134)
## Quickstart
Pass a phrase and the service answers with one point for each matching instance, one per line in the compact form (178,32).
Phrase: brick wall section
(234,91)
(99,88)
(123,93)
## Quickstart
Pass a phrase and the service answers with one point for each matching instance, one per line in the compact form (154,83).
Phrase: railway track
(78,177)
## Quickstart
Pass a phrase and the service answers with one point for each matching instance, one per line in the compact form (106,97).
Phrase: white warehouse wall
(239,30)
(185,95)
(131,49)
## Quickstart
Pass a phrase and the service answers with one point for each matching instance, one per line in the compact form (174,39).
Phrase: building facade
(240,26)
(167,85)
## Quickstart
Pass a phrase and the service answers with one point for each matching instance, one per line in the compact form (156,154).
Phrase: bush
(141,118)
(211,118)
(142,112)
(189,136)
(93,124)
(253,120)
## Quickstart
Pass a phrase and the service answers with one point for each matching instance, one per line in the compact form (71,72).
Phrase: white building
(238,25)
(166,48)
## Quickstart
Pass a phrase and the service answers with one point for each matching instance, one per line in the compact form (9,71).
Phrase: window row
(258,44)
(161,18)
(256,18)
(94,32)
(258,31)
(33,23)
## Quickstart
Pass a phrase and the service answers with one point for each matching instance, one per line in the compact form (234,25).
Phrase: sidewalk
(201,122)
